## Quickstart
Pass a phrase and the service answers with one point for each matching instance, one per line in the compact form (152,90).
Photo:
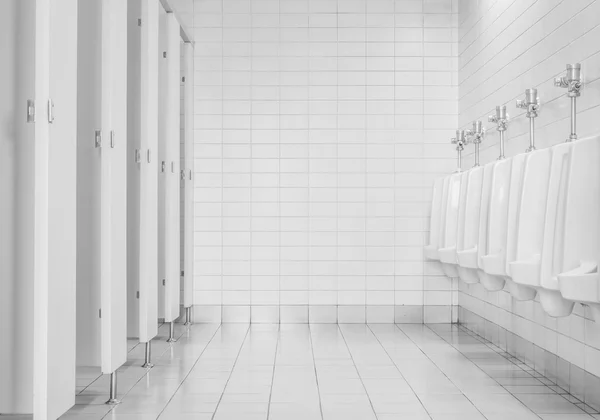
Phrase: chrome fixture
(461,142)
(573,82)
(501,119)
(531,103)
(188,318)
(112,400)
(148,356)
(171,338)
(476,133)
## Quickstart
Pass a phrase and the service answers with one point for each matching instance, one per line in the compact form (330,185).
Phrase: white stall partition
(37,217)
(188,232)
(101,188)
(169,133)
(142,174)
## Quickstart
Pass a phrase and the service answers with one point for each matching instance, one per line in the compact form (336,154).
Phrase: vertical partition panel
(149,175)
(89,87)
(161,161)
(114,149)
(172,191)
(188,231)
(17,139)
(55,368)
(134,213)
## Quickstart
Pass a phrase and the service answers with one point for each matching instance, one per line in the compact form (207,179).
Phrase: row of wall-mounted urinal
(530,224)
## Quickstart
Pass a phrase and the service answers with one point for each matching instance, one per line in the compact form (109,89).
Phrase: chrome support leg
(113,390)
(148,356)
(188,318)
(171,338)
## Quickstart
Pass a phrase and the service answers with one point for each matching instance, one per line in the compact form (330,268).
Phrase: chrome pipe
(112,400)
(501,119)
(531,104)
(148,356)
(171,338)
(573,82)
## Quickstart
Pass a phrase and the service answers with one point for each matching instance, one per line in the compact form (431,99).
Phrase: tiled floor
(345,372)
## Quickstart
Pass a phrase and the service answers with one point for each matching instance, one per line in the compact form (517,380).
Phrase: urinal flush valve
(477,133)
(573,82)
(531,103)
(460,141)
(501,119)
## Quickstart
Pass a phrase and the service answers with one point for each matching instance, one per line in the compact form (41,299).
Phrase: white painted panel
(188,231)
(142,176)
(55,367)
(134,103)
(149,191)
(173,190)
(114,287)
(162,157)
(88,183)
(17,47)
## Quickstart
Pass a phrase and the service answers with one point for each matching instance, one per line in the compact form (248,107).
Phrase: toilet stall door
(101,185)
(55,336)
(173,177)
(169,167)
(143,177)
(114,186)
(188,231)
(18,137)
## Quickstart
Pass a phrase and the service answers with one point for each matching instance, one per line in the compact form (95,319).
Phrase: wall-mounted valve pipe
(531,103)
(461,141)
(573,82)
(501,119)
(476,133)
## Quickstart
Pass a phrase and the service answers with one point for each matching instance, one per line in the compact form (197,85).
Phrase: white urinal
(435,222)
(579,221)
(468,235)
(447,249)
(547,265)
(491,275)
(503,242)
(525,251)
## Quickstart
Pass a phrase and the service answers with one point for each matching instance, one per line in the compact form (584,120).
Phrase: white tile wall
(504,48)
(319,127)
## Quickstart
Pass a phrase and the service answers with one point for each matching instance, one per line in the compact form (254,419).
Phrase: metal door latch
(98,138)
(30,111)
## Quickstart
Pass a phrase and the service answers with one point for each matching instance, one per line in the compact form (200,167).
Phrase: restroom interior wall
(319,128)
(506,47)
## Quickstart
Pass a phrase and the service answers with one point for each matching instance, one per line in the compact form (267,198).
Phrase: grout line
(397,368)
(339,329)
(312,350)
(232,370)
(439,369)
(274,367)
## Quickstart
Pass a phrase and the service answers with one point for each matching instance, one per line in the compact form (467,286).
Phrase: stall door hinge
(138,156)
(164,282)
(50,111)
(164,54)
(183,79)
(30,111)
(98,138)
(139,22)
(183,174)
(162,166)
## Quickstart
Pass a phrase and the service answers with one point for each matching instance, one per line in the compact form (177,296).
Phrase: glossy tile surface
(324,372)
